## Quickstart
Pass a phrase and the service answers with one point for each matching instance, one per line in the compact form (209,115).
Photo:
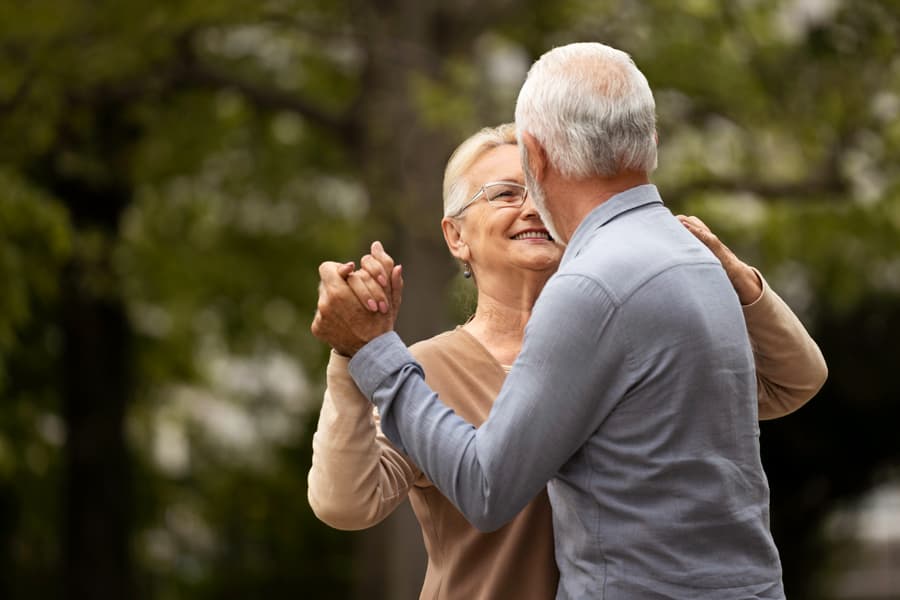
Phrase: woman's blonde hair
(457,187)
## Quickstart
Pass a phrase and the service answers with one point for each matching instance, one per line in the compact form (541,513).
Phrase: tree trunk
(98,499)
(403,162)
(97,380)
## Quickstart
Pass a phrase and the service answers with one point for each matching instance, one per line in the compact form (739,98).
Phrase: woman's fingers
(702,232)
(384,259)
(368,291)
(693,221)
(376,269)
(378,283)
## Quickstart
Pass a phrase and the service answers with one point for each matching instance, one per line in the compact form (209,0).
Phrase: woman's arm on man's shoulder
(790,368)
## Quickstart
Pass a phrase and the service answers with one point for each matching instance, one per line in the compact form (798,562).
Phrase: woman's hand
(378,270)
(744,279)
(373,283)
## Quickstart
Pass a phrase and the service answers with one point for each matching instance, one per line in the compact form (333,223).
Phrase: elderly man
(633,398)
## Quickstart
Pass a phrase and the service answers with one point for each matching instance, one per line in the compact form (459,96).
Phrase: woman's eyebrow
(513,179)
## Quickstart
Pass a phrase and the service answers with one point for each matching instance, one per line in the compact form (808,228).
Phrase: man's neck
(580,197)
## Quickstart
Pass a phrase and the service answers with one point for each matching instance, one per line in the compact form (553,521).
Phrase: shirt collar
(616,205)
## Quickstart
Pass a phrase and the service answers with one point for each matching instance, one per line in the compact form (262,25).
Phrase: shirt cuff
(377,360)
(342,392)
(337,360)
(765,288)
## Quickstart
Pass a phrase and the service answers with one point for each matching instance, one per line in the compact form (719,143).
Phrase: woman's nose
(529,210)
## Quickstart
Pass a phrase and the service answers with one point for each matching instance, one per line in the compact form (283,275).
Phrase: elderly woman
(358,478)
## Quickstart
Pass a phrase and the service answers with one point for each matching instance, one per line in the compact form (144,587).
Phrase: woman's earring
(467,273)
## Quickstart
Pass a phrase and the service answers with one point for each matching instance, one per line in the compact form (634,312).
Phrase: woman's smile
(533,235)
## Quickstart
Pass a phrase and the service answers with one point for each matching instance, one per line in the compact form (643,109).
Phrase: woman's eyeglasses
(499,194)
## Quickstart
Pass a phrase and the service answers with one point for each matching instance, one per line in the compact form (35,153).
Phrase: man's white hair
(591,109)
(458,189)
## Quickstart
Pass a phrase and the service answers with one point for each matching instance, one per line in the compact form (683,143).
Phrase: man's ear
(536,156)
(453,236)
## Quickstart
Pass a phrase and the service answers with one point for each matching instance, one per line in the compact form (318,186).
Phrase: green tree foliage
(35,241)
(172,174)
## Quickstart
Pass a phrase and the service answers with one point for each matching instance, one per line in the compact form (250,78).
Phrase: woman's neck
(502,312)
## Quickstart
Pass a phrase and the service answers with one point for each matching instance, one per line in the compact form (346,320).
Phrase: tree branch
(205,75)
(193,71)
(809,189)
(824,180)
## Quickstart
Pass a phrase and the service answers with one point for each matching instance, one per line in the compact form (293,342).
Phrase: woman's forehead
(501,163)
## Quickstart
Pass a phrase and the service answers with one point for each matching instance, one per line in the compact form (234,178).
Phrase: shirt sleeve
(790,368)
(357,477)
(548,406)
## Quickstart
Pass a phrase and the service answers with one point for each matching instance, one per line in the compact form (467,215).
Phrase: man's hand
(348,316)
(744,279)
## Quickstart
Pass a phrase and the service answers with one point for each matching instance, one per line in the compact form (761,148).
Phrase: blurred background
(172,173)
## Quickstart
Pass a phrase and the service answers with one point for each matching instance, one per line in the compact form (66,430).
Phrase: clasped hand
(356,306)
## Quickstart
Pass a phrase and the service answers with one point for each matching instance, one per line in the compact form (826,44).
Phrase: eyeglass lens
(505,194)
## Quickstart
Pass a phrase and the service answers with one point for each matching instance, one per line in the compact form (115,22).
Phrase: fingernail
(372,305)
(383,306)
(382,280)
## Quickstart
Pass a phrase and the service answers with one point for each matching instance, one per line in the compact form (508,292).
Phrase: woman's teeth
(530,235)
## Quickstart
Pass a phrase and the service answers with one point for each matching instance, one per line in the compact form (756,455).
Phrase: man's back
(667,496)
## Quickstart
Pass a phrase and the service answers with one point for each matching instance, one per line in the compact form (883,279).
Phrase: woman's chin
(538,263)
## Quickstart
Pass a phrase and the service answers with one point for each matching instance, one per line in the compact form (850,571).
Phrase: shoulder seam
(619,300)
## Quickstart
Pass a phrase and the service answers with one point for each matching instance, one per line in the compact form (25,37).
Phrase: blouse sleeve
(790,368)
(357,477)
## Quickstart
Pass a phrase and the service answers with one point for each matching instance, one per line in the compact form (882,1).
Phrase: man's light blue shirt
(633,400)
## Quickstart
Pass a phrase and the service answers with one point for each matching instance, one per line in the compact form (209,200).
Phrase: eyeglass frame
(483,190)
